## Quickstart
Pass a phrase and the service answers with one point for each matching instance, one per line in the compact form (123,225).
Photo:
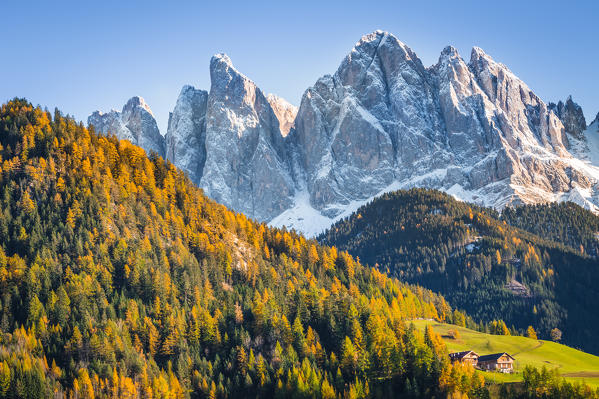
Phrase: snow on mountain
(591,135)
(383,121)
(135,123)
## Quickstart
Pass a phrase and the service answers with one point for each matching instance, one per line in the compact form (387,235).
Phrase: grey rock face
(135,123)
(361,129)
(473,129)
(230,141)
(382,121)
(571,116)
(245,156)
(531,135)
(521,115)
(284,111)
(110,122)
(186,134)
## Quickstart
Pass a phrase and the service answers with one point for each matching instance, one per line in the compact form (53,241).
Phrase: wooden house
(464,357)
(501,362)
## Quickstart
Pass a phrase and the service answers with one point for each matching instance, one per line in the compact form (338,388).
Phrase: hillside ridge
(480,262)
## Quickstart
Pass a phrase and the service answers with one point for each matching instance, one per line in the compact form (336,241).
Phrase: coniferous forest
(485,263)
(563,222)
(119,278)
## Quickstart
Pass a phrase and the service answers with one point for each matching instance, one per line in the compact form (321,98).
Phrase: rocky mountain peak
(380,38)
(135,123)
(375,36)
(381,122)
(96,115)
(186,132)
(232,88)
(220,58)
(187,91)
(137,102)
(477,54)
(487,71)
(352,128)
(571,116)
(533,127)
(379,49)
(451,58)
(481,62)
(246,166)
(449,52)
(223,71)
(230,141)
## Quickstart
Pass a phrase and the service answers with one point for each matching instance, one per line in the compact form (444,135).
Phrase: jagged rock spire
(135,123)
(571,116)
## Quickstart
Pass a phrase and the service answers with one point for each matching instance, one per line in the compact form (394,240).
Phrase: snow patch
(303,217)
(592,136)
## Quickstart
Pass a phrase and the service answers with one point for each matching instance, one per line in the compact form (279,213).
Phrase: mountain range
(382,121)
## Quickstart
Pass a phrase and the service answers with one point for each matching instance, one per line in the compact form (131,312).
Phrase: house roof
(460,355)
(494,356)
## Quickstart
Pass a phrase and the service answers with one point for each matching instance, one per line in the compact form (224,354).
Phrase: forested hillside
(119,278)
(563,222)
(483,264)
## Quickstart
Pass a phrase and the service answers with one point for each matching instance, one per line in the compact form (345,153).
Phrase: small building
(464,357)
(501,362)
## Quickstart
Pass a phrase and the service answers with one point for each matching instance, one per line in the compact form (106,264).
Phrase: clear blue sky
(83,56)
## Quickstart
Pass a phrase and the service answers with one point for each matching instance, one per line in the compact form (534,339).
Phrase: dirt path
(583,374)
(539,344)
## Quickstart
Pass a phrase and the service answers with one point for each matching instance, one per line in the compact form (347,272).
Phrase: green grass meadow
(572,364)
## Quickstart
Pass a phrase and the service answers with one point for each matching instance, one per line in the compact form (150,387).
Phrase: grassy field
(572,364)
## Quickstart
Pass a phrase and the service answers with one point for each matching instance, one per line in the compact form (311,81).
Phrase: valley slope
(481,263)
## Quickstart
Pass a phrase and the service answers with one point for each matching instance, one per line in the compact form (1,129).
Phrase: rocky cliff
(135,123)
(382,121)
(245,154)
(571,116)
(284,111)
(186,134)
